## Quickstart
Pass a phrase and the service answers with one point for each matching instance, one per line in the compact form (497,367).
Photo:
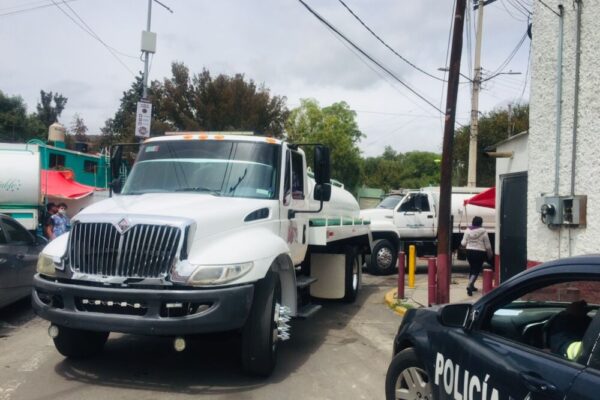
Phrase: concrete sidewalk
(417,297)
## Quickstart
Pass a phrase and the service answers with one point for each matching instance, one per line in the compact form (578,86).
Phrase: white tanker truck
(210,232)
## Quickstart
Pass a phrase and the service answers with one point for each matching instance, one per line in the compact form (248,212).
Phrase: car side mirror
(115,185)
(455,315)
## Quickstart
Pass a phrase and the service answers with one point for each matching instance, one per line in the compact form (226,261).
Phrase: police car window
(553,319)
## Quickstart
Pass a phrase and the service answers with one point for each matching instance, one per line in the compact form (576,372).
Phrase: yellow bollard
(412,260)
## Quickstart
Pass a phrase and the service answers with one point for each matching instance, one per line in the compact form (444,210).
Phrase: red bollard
(487,280)
(431,284)
(401,261)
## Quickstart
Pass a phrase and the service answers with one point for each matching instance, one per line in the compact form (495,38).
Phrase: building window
(90,166)
(56,161)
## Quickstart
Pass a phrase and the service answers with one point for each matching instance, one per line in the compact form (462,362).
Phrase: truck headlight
(46,265)
(219,274)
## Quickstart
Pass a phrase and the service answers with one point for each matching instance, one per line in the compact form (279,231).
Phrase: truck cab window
(415,202)
(297,176)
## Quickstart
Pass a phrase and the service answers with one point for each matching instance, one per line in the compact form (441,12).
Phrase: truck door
(295,230)
(414,216)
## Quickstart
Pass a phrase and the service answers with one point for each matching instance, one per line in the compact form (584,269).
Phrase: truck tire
(260,340)
(407,378)
(352,275)
(79,343)
(383,258)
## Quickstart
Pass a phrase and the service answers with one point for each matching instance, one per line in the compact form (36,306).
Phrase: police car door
(504,356)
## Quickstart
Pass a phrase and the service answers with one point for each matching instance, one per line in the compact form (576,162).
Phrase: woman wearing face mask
(60,221)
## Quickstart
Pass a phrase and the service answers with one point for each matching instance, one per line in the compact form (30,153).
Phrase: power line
(549,8)
(510,13)
(526,76)
(385,44)
(324,21)
(41,4)
(508,59)
(92,34)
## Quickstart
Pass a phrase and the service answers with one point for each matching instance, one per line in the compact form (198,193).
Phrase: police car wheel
(406,378)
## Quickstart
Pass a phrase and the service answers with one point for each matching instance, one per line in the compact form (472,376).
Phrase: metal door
(513,225)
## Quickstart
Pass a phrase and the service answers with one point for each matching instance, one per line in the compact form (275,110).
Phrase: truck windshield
(221,168)
(389,202)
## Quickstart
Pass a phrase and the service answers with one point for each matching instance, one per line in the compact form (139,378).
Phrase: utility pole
(472,169)
(147,50)
(444,223)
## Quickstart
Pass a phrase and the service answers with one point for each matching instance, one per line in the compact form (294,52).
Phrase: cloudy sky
(276,42)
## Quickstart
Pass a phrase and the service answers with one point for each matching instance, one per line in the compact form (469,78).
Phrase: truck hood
(211,213)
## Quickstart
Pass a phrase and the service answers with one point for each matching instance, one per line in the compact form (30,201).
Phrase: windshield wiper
(198,189)
(240,179)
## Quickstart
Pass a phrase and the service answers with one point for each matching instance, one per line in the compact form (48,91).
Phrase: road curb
(391,299)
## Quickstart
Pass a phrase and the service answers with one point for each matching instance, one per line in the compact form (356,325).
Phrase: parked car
(536,336)
(18,258)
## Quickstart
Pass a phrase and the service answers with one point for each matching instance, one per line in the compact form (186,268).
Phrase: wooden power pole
(444,224)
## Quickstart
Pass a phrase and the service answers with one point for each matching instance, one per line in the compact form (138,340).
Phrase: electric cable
(40,4)
(93,36)
(508,59)
(360,50)
(526,76)
(386,45)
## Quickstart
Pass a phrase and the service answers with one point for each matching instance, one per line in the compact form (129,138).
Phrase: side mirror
(116,185)
(455,315)
(116,157)
(322,165)
(322,192)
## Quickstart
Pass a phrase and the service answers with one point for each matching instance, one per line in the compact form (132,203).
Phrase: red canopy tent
(487,198)
(62,185)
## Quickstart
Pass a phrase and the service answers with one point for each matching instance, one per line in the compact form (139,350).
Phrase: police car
(536,336)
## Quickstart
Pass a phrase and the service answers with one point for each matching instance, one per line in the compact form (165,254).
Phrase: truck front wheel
(352,275)
(79,343)
(383,258)
(260,340)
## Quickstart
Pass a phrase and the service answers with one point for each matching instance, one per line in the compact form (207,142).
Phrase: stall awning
(61,184)
(487,198)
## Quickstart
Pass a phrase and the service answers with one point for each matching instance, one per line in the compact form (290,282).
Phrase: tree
(47,112)
(493,128)
(334,126)
(15,124)
(78,128)
(186,102)
(394,170)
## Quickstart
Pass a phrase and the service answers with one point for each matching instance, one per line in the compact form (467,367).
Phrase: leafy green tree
(394,170)
(50,106)
(15,124)
(494,127)
(186,102)
(334,126)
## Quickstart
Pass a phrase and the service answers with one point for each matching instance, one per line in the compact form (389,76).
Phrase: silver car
(18,257)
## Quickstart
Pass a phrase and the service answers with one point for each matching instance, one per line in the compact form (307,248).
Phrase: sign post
(143,118)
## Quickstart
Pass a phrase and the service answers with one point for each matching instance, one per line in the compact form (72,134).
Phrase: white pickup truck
(210,232)
(400,221)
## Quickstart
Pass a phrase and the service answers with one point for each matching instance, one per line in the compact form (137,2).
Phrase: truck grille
(143,251)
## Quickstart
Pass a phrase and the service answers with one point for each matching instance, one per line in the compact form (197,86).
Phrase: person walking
(60,221)
(51,209)
(479,249)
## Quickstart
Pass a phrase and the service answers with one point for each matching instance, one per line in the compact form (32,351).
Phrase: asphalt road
(340,353)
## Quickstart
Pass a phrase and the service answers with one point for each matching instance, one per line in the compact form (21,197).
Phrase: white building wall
(544,244)
(517,163)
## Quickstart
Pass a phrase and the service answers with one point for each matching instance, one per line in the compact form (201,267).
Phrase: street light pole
(472,169)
